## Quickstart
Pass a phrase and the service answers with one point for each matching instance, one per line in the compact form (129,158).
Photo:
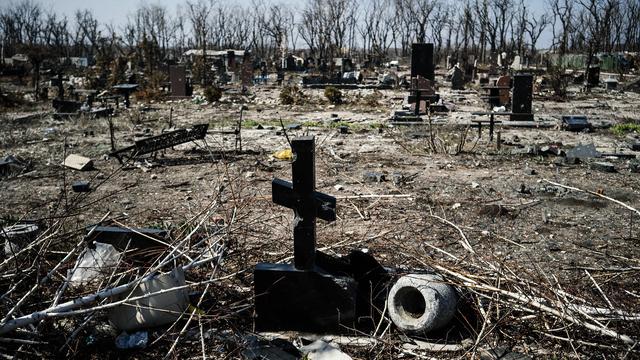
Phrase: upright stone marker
(521,101)
(422,61)
(306,203)
(180,86)
(317,293)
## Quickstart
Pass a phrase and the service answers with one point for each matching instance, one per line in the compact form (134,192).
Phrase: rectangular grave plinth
(303,300)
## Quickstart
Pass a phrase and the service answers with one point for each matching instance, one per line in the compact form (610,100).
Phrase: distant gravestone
(180,86)
(422,61)
(521,101)
(516,64)
(457,78)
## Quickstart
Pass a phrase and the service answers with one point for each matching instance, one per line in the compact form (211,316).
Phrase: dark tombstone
(180,86)
(593,76)
(59,83)
(457,78)
(231,61)
(422,61)
(521,101)
(317,293)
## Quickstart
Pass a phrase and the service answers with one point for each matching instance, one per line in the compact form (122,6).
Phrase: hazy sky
(116,11)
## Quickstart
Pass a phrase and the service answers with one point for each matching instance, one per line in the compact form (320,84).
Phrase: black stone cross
(306,203)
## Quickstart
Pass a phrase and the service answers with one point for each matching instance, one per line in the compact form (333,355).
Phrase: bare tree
(562,23)
(535,27)
(199,16)
(418,15)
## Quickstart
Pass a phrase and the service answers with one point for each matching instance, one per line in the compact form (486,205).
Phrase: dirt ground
(562,241)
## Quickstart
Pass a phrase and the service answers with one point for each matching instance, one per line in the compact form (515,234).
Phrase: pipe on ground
(421,302)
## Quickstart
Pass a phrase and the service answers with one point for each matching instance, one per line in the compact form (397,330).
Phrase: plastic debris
(320,350)
(95,264)
(286,154)
(159,309)
(136,340)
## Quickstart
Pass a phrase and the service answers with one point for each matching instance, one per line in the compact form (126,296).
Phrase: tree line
(376,30)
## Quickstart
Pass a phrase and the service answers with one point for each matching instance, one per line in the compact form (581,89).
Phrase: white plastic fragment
(95,264)
(162,308)
(320,350)
(421,303)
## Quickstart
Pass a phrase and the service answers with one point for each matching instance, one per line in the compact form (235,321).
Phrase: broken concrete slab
(78,162)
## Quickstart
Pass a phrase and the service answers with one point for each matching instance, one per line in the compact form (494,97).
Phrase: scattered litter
(78,162)
(374,177)
(276,349)
(284,155)
(11,165)
(576,123)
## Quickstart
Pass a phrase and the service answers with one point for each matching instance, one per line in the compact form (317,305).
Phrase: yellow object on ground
(283,154)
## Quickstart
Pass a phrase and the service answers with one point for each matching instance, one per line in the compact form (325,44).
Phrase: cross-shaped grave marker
(306,203)
(317,293)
